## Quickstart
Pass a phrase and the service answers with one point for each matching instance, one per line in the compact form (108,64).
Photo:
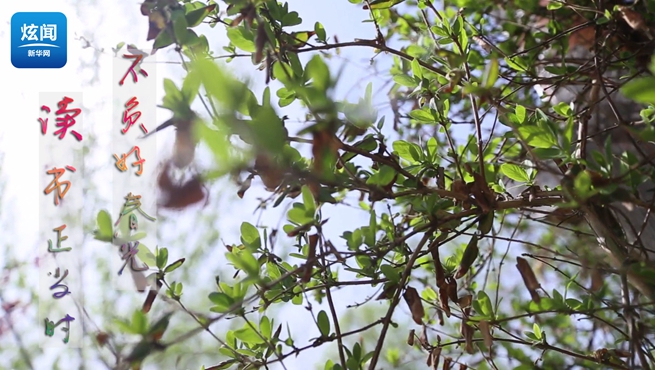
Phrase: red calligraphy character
(131,69)
(44,124)
(132,118)
(67,120)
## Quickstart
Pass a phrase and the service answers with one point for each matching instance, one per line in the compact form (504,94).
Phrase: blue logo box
(39,40)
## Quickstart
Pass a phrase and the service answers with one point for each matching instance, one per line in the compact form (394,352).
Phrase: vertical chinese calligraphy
(133,167)
(60,149)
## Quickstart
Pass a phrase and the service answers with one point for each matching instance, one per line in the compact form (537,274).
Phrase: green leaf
(517,63)
(174,266)
(191,86)
(538,137)
(416,68)
(222,302)
(320,31)
(583,185)
(319,72)
(554,5)
(536,330)
(390,273)
(563,109)
(180,26)
(139,322)
(145,255)
(514,172)
(163,40)
(323,323)
(248,336)
(195,17)
(519,110)
(265,327)
(491,73)
(105,230)
(245,261)
(405,80)
(291,19)
(422,115)
(485,304)
(241,38)
(308,200)
(384,4)
(641,90)
(402,148)
(162,258)
(250,236)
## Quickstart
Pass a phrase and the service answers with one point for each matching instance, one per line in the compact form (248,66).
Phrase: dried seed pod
(465,301)
(311,255)
(267,170)
(486,333)
(436,260)
(529,279)
(443,298)
(415,306)
(467,331)
(410,338)
(451,287)
(434,357)
(260,42)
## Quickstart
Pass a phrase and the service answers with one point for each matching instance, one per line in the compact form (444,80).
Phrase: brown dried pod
(434,357)
(102,338)
(152,294)
(451,287)
(423,338)
(311,255)
(441,178)
(443,298)
(267,170)
(413,300)
(597,280)
(482,43)
(410,338)
(190,193)
(260,42)
(465,301)
(447,363)
(440,317)
(467,332)
(324,146)
(635,20)
(486,333)
(436,260)
(529,279)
